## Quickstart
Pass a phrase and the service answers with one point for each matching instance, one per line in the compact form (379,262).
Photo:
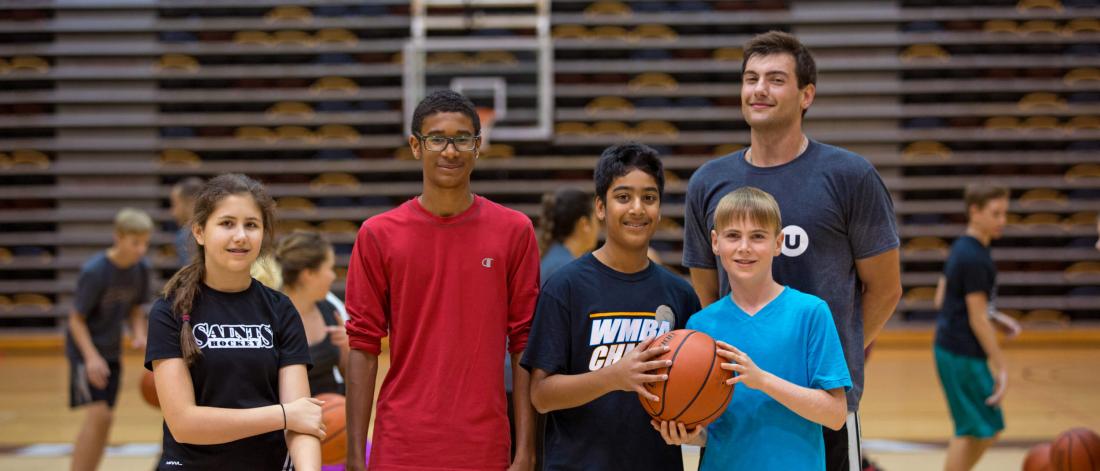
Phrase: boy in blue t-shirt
(595,317)
(110,291)
(782,345)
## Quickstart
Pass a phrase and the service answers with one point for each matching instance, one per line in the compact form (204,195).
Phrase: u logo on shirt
(795,241)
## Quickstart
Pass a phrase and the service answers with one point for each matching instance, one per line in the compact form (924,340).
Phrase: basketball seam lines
(721,408)
(703,385)
(664,384)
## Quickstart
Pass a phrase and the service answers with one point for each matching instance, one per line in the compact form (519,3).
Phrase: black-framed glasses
(439,143)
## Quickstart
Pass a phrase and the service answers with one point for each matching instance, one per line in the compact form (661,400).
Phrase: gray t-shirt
(105,295)
(835,210)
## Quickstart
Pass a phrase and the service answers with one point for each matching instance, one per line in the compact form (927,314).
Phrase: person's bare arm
(201,425)
(881,278)
(361,377)
(139,327)
(826,407)
(705,283)
(977,305)
(524,415)
(941,289)
(95,366)
(550,392)
(305,450)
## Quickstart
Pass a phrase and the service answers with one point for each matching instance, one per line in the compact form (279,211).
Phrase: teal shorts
(967,383)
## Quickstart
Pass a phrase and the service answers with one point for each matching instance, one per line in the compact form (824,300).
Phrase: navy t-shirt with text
(589,316)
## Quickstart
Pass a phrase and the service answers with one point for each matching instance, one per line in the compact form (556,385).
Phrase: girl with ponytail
(306,260)
(568,228)
(229,355)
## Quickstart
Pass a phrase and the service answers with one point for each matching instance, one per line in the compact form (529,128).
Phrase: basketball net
(487,115)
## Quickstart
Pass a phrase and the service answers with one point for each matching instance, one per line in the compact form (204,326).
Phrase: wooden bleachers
(935,94)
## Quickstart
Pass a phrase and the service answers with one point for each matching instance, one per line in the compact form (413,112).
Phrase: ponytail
(560,212)
(182,289)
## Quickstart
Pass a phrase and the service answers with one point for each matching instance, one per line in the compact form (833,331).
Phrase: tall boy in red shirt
(452,279)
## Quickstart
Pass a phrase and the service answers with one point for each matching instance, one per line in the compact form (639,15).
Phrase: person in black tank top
(306,260)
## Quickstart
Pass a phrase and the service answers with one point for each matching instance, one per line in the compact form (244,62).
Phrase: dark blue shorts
(81,392)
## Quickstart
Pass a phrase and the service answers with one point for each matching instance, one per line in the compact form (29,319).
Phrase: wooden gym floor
(1053,386)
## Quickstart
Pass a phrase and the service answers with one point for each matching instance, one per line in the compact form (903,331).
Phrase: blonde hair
(133,221)
(748,203)
(267,271)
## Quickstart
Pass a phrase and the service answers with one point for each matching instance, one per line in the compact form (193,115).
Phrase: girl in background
(568,229)
(306,260)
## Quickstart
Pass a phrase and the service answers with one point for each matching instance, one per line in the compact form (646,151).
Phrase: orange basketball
(149,389)
(334,448)
(1038,458)
(696,392)
(1076,449)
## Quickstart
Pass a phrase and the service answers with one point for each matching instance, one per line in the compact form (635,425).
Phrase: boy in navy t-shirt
(970,364)
(112,286)
(782,344)
(595,318)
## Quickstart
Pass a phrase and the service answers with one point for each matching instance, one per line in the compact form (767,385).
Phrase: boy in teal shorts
(782,345)
(970,364)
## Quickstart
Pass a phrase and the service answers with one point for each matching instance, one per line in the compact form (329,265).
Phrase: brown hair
(188,188)
(779,42)
(299,251)
(183,287)
(560,212)
(748,203)
(979,195)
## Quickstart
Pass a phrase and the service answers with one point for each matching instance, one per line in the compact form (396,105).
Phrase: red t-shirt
(451,293)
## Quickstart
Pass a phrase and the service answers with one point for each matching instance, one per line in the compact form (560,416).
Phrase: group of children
(453,281)
(230,355)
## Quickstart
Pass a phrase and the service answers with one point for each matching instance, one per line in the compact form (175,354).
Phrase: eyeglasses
(439,143)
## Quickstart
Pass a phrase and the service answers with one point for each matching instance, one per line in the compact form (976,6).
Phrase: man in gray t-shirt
(840,239)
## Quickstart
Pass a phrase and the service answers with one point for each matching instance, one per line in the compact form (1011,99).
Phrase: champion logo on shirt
(614,334)
(233,335)
(487,262)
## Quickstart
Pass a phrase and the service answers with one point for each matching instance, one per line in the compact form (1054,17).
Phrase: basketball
(1076,449)
(149,389)
(1038,458)
(696,392)
(334,448)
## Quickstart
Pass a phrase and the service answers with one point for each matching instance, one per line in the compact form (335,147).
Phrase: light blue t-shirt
(836,210)
(557,256)
(793,338)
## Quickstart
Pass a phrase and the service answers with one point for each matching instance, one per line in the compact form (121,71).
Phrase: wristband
(284,415)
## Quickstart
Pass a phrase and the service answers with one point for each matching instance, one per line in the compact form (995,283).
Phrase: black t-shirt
(588,316)
(105,296)
(326,356)
(969,269)
(245,338)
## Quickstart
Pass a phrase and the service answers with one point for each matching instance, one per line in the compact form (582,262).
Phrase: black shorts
(81,392)
(843,450)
